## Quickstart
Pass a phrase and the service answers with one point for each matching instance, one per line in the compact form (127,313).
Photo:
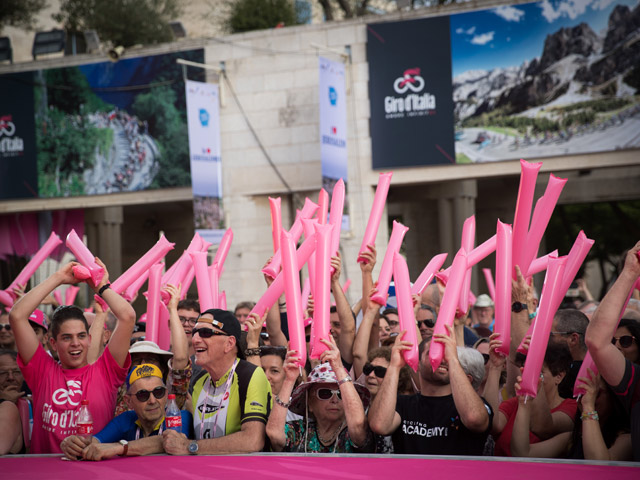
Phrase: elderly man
(447,417)
(231,402)
(482,312)
(137,431)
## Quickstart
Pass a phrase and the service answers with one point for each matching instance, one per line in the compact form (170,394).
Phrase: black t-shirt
(432,426)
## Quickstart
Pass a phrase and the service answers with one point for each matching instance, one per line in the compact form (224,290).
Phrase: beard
(438,377)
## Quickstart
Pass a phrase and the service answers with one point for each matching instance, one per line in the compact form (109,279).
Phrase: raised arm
(254,327)
(383,418)
(179,341)
(96,330)
(26,340)
(120,339)
(366,268)
(347,321)
(469,405)
(361,343)
(607,357)
(278,415)
(491,391)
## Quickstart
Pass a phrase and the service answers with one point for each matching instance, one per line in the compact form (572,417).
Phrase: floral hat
(321,375)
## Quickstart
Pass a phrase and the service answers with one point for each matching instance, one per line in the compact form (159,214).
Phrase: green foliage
(633,78)
(247,15)
(122,22)
(20,13)
(499,118)
(581,118)
(68,90)
(599,105)
(169,128)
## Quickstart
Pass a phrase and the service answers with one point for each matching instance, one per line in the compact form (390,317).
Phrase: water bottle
(173,417)
(84,425)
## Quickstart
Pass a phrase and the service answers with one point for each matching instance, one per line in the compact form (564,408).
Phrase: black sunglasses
(378,371)
(429,323)
(207,332)
(6,326)
(327,393)
(158,393)
(625,340)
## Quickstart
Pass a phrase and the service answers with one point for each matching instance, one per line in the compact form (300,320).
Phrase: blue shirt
(124,427)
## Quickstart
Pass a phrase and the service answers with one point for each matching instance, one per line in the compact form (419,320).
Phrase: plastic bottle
(173,416)
(84,425)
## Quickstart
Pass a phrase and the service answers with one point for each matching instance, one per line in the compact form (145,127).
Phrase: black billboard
(410,92)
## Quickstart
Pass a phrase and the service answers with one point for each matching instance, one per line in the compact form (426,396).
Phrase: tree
(247,15)
(121,22)
(20,13)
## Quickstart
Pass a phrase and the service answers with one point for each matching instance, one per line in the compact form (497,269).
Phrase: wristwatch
(517,307)
(125,446)
(193,448)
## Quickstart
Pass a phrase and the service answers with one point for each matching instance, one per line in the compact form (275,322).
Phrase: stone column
(104,229)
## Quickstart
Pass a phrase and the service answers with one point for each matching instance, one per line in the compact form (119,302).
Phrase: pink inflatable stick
(153,303)
(448,306)
(164,332)
(309,231)
(86,258)
(295,319)
(549,302)
(488,277)
(30,268)
(306,290)
(375,216)
(70,294)
(202,279)
(323,204)
(132,290)
(522,216)
(386,270)
(575,259)
(346,285)
(322,295)
(540,264)
(223,250)
(474,257)
(405,310)
(58,297)
(276,222)
(335,217)
(222,300)
(213,279)
(155,254)
(428,273)
(541,216)
(503,286)
(468,242)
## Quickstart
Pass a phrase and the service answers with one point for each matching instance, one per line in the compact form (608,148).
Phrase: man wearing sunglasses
(137,431)
(426,320)
(568,328)
(619,372)
(231,402)
(6,335)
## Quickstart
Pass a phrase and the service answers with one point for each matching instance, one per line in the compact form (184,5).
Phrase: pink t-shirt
(57,393)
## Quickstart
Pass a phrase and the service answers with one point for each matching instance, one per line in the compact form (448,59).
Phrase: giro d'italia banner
(333,127)
(203,119)
(532,80)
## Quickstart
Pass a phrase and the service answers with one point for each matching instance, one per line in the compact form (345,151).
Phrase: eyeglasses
(15,373)
(625,341)
(327,393)
(486,358)
(158,393)
(190,320)
(378,371)
(429,323)
(207,332)
(6,326)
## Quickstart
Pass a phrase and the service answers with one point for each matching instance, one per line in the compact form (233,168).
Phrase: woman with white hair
(332,407)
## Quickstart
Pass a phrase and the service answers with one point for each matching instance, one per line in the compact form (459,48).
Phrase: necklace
(333,436)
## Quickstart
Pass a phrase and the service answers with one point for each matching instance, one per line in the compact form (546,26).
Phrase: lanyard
(208,394)
(159,430)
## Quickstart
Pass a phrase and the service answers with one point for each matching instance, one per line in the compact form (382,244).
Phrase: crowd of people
(241,388)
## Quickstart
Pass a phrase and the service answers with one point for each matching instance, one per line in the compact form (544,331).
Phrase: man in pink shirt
(59,388)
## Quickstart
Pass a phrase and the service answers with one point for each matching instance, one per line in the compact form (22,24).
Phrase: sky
(508,35)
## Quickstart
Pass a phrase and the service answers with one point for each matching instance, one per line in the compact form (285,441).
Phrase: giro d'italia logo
(413,103)
(11,145)
(411,80)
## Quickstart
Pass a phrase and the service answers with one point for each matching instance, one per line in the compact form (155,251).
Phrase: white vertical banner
(203,118)
(333,127)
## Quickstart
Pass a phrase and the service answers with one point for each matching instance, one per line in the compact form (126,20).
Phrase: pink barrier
(296,229)
(375,216)
(447,313)
(290,270)
(90,269)
(488,277)
(425,278)
(406,314)
(468,241)
(153,256)
(276,222)
(386,270)
(322,294)
(153,303)
(549,301)
(323,204)
(270,466)
(522,216)
(503,286)
(277,287)
(335,216)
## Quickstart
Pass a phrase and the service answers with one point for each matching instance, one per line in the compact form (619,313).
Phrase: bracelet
(345,380)
(281,403)
(532,315)
(103,288)
(590,415)
(250,352)
(282,304)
